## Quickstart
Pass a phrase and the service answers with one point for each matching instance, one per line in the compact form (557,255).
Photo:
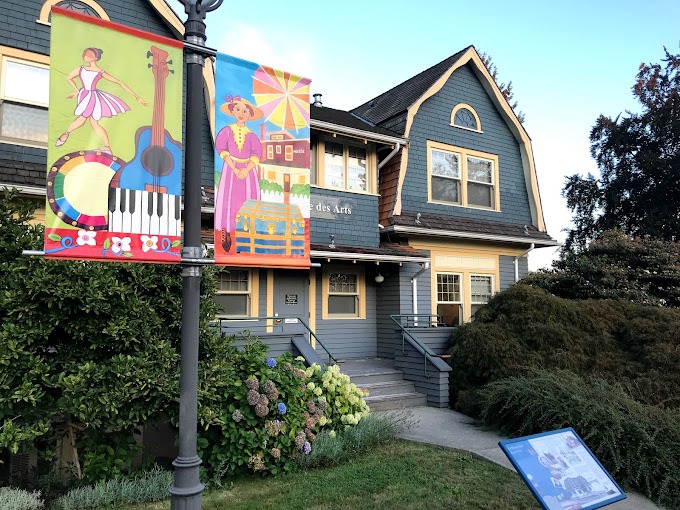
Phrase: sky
(569,62)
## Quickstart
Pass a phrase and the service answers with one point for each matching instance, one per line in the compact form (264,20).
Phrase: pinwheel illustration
(283,97)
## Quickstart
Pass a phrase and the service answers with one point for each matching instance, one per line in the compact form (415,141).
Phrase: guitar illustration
(157,165)
(145,194)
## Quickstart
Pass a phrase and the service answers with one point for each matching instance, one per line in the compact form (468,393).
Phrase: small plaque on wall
(291,299)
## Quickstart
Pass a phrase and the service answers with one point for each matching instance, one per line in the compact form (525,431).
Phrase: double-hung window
(343,165)
(233,293)
(481,290)
(449,298)
(464,177)
(24,97)
(344,294)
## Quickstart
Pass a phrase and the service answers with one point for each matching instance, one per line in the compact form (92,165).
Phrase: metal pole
(187,488)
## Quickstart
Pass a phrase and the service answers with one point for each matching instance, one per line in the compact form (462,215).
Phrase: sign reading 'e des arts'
(332,208)
(114,175)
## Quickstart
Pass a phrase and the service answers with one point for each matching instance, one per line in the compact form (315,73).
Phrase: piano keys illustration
(144,212)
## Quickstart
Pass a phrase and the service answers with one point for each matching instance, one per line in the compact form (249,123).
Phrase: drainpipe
(414,282)
(389,156)
(517,261)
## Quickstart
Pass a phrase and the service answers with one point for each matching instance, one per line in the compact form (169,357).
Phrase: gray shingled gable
(398,99)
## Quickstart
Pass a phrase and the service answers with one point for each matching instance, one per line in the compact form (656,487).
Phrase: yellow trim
(520,134)
(312,303)
(270,300)
(27,57)
(463,153)
(371,163)
(361,292)
(209,79)
(44,16)
(466,250)
(460,106)
(254,292)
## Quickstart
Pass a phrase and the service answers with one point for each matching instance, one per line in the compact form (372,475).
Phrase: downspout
(414,282)
(389,156)
(517,261)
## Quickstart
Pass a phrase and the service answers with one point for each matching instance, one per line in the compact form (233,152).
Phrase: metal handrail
(417,344)
(279,318)
(416,316)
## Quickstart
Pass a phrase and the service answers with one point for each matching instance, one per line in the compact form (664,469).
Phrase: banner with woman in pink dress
(261,166)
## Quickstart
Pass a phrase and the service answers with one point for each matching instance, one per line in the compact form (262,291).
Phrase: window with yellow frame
(344,293)
(463,177)
(24,97)
(343,164)
(236,292)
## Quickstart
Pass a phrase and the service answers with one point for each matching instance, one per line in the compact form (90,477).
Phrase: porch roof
(386,252)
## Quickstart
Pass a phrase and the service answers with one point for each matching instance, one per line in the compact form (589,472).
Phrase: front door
(291,288)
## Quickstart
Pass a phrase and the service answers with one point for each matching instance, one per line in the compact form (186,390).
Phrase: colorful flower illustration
(149,242)
(119,244)
(86,237)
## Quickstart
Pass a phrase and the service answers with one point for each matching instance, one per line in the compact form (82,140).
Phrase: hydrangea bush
(268,411)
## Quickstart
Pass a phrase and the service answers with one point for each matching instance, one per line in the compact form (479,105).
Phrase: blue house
(424,202)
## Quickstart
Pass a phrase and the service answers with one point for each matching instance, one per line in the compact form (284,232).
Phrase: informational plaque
(561,471)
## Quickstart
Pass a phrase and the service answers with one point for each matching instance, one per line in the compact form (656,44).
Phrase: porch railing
(280,321)
(414,319)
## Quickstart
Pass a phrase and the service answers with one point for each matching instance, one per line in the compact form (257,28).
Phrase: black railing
(415,319)
(277,322)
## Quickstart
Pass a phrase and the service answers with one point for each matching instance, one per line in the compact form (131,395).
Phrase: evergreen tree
(638,155)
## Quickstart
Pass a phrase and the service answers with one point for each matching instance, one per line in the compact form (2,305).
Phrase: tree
(86,346)
(639,160)
(506,90)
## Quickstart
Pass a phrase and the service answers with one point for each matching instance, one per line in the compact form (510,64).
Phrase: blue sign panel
(560,470)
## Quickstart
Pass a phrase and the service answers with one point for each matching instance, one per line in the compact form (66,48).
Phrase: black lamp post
(187,488)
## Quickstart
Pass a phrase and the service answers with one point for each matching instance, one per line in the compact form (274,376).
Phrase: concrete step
(396,401)
(382,375)
(388,388)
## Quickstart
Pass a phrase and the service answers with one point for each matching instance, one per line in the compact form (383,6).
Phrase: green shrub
(17,499)
(333,448)
(637,443)
(525,328)
(152,486)
(616,266)
(259,414)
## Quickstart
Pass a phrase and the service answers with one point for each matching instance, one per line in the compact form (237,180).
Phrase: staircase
(386,386)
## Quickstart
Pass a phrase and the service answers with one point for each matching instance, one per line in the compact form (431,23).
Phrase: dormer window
(343,164)
(464,116)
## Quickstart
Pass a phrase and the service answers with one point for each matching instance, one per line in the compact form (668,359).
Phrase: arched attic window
(89,7)
(464,116)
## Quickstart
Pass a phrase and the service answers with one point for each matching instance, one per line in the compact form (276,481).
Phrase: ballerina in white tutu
(94,104)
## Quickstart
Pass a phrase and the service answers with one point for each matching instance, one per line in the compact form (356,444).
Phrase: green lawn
(397,475)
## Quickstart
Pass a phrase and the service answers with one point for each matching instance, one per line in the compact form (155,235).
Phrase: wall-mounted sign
(561,471)
(331,207)
(291,299)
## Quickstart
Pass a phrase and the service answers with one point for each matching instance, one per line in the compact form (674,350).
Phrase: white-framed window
(24,98)
(343,164)
(459,176)
(481,291)
(234,293)
(344,292)
(464,116)
(450,298)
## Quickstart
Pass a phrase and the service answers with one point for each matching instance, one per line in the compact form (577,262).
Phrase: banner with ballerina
(114,174)
(261,166)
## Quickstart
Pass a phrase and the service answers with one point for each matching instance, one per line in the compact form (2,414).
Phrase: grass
(397,474)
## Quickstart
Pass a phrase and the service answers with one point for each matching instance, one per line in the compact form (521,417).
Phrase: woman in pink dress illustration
(94,104)
(241,150)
